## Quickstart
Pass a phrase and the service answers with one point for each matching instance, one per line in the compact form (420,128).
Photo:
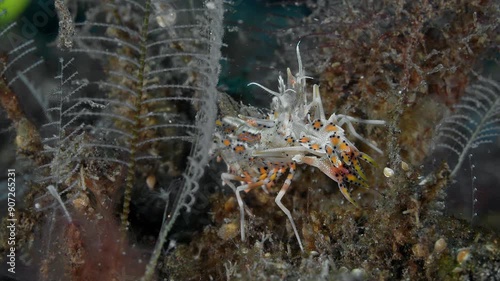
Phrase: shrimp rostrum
(260,151)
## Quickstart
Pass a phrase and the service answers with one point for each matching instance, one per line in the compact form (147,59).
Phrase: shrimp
(259,151)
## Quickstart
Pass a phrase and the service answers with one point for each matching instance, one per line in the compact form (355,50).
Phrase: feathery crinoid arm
(475,122)
(64,139)
(160,65)
(18,60)
(17,55)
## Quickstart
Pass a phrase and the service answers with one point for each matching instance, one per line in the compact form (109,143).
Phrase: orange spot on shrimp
(252,123)
(335,160)
(331,128)
(239,148)
(335,140)
(228,130)
(351,177)
(329,150)
(263,173)
(289,140)
(226,142)
(314,146)
(344,147)
(274,174)
(356,179)
(346,158)
(317,124)
(248,137)
(304,140)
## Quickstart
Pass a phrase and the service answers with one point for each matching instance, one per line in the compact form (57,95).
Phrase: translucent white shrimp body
(259,151)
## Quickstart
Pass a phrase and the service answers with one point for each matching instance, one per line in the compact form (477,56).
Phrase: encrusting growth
(258,151)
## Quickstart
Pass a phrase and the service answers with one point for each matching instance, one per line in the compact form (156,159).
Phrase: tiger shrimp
(259,151)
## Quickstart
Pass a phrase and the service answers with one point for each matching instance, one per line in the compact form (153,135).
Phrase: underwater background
(108,112)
